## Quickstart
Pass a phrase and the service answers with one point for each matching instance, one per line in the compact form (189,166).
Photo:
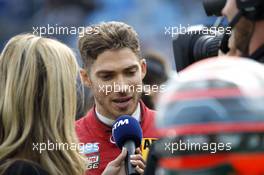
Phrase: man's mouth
(122,102)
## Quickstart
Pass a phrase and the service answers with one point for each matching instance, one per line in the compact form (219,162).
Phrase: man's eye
(106,77)
(131,72)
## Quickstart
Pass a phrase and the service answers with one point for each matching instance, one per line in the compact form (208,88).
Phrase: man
(247,17)
(113,68)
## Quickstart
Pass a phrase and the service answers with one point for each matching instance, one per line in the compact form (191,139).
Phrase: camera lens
(206,46)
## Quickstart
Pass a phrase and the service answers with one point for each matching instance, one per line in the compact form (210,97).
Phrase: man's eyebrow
(104,72)
(131,67)
(112,72)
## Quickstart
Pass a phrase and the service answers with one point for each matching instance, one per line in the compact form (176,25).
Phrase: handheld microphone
(127,133)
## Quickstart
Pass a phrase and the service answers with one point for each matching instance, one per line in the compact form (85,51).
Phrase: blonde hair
(38,102)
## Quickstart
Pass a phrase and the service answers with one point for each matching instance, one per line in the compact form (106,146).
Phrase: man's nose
(122,84)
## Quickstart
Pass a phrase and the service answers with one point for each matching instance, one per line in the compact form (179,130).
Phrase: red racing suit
(97,138)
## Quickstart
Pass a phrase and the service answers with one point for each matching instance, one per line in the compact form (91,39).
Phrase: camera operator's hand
(117,166)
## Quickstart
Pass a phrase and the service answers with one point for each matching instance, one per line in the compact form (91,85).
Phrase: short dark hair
(108,35)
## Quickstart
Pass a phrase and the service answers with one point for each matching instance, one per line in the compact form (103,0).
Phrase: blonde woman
(38,107)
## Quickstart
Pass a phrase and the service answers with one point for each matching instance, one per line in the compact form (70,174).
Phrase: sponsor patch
(89,148)
(93,162)
(145,145)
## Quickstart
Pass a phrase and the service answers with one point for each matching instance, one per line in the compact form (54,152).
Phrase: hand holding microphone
(117,166)
(127,133)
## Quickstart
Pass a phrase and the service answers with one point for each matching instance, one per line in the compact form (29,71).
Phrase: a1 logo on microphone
(120,123)
(126,128)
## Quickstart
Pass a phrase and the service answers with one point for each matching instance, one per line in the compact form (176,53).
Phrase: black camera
(213,7)
(205,42)
(196,45)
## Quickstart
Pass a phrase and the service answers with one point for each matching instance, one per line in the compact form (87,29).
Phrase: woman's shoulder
(23,167)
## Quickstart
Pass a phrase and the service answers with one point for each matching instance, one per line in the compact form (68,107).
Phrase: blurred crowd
(149,18)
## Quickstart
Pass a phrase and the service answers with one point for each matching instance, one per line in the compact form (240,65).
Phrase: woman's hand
(117,166)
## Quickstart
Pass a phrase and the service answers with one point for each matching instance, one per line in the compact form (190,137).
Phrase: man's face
(116,71)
